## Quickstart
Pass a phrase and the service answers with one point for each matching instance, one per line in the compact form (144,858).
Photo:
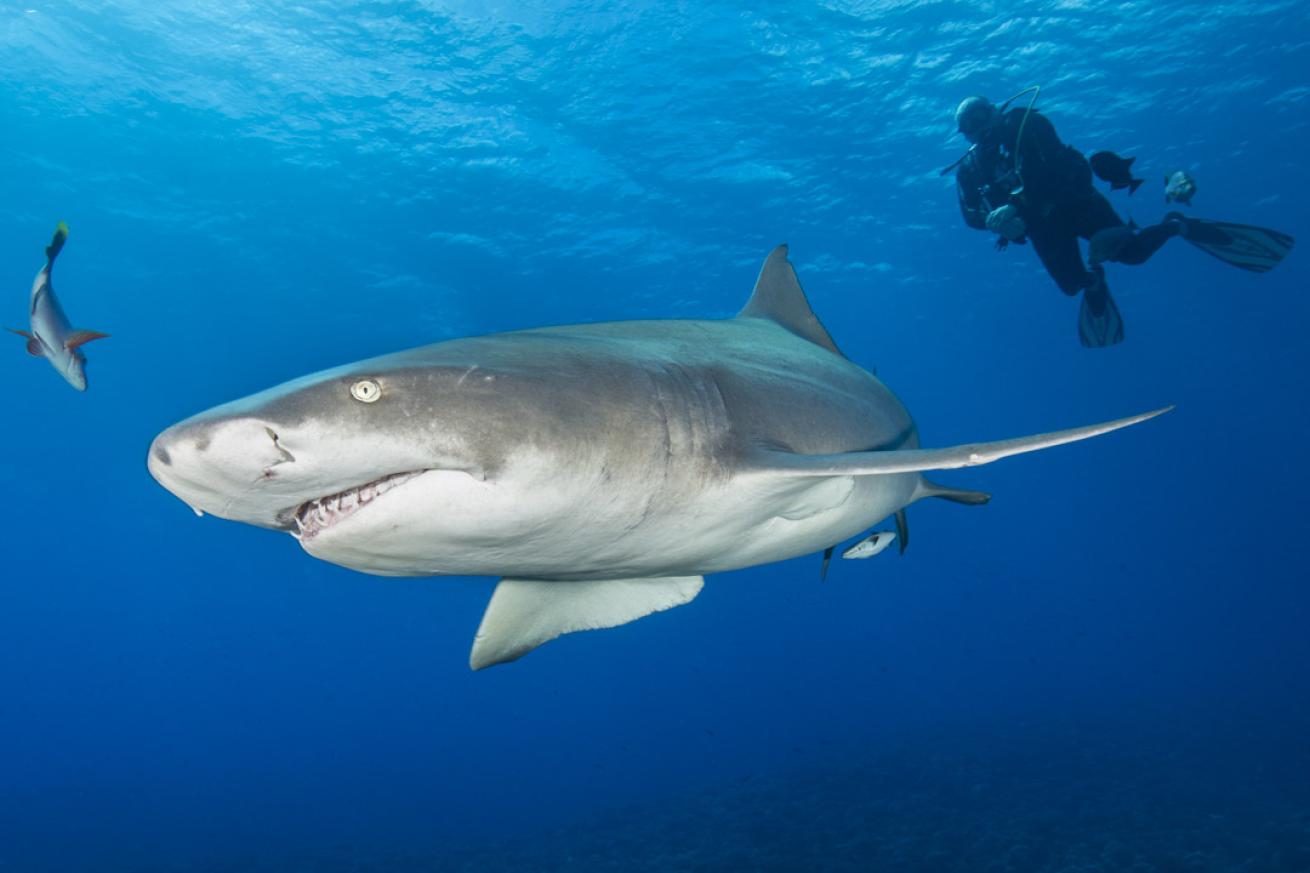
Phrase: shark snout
(232,467)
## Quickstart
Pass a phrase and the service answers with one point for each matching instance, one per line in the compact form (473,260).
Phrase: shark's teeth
(318,515)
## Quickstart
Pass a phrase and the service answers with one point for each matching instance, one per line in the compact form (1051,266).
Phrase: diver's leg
(1148,240)
(1057,247)
(1092,214)
(1095,214)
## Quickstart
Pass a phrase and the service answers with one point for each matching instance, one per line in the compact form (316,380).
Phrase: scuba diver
(1019,181)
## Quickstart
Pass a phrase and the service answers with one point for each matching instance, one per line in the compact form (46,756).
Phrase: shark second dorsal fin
(524,613)
(778,297)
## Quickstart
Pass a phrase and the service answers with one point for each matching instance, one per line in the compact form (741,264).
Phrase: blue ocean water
(1104,669)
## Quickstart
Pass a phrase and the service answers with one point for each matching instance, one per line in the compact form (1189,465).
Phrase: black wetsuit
(1058,203)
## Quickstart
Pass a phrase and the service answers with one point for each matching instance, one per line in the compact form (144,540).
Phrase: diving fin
(1099,321)
(1257,249)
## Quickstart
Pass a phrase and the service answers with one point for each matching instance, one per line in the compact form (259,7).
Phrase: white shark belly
(588,527)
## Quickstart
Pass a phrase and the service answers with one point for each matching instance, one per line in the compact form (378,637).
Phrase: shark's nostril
(162,456)
(287,457)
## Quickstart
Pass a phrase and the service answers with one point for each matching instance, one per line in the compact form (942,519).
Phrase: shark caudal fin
(524,613)
(56,243)
(778,297)
(886,463)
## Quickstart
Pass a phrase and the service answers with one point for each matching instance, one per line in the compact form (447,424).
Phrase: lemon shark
(601,470)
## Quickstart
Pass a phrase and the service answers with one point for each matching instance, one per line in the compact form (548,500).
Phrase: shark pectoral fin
(81,338)
(524,613)
(885,463)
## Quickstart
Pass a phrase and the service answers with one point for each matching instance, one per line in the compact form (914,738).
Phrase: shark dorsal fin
(778,297)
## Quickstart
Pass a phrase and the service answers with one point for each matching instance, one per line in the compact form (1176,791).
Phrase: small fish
(1179,188)
(52,336)
(1111,168)
(870,545)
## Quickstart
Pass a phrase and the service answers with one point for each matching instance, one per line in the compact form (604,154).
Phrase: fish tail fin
(1134,185)
(57,242)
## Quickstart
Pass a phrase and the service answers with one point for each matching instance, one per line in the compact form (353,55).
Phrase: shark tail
(56,243)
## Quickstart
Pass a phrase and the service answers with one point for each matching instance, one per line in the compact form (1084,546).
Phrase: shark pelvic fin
(778,297)
(885,463)
(955,495)
(524,613)
(81,338)
(902,530)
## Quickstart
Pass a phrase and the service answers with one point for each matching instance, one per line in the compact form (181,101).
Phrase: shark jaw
(324,513)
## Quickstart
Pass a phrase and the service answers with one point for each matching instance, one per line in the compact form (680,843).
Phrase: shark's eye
(366,391)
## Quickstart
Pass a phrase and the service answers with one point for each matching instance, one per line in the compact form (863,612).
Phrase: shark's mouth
(316,516)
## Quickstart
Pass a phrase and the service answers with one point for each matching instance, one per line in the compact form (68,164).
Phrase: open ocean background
(1106,669)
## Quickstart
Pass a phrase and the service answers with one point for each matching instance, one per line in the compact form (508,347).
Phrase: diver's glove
(1005,220)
